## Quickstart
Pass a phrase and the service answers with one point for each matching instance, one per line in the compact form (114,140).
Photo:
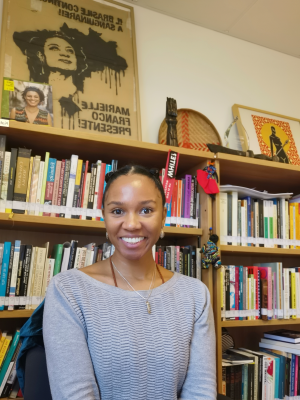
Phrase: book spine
(229,220)
(241,290)
(5,176)
(252,220)
(92,189)
(2,158)
(65,186)
(256,218)
(97,183)
(61,184)
(71,183)
(287,225)
(261,221)
(56,186)
(30,277)
(39,185)
(234,217)
(36,289)
(232,287)
(29,182)
(9,356)
(293,295)
(9,273)
(84,187)
(25,274)
(44,181)
(57,255)
(198,263)
(86,192)
(279,233)
(81,189)
(73,249)
(20,272)
(173,204)
(77,186)
(100,190)
(179,202)
(192,203)
(4,270)
(188,190)
(22,174)
(11,178)
(286,309)
(34,182)
(237,285)
(168,256)
(50,183)
(224,219)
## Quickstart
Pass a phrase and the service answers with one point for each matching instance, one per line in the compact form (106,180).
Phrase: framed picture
(268,133)
(85,51)
(27,102)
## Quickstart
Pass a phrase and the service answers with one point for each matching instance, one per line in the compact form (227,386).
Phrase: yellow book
(297,221)
(4,348)
(291,215)
(293,294)
(2,339)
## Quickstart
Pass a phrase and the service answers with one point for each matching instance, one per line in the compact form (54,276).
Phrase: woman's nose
(64,55)
(131,221)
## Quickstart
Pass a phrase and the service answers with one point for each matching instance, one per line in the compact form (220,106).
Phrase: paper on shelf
(255,194)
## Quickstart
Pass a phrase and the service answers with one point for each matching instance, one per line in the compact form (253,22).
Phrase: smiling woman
(129,328)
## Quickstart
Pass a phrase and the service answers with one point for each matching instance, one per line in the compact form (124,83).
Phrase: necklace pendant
(148,307)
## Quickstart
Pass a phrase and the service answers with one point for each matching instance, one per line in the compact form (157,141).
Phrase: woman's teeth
(133,240)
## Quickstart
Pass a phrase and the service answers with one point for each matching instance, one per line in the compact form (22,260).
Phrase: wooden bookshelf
(16,314)
(261,175)
(76,226)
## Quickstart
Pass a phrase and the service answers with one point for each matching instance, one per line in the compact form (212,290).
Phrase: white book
(243,223)
(87,258)
(4,186)
(65,259)
(275,233)
(34,181)
(289,347)
(223,217)
(40,185)
(71,187)
(82,257)
(91,257)
(48,273)
(287,222)
(286,304)
(8,371)
(37,284)
(99,162)
(234,216)
(31,273)
(86,192)
(14,274)
(256,219)
(198,263)
(77,257)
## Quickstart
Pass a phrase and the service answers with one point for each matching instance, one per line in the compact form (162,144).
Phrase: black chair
(36,377)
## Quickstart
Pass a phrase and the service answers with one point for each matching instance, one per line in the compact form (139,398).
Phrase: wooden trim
(259,322)
(16,314)
(259,250)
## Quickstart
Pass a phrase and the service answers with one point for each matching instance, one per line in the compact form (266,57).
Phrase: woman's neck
(30,109)
(141,269)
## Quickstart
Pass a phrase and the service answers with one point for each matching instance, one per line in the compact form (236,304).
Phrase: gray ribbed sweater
(102,344)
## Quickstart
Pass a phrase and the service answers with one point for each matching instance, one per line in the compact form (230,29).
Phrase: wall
(209,72)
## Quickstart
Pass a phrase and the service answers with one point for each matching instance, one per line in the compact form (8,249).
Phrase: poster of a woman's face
(85,50)
(27,102)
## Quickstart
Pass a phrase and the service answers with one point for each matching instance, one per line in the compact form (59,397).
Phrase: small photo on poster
(27,102)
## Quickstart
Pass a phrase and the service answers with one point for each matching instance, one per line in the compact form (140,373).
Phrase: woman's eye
(117,211)
(70,51)
(53,48)
(146,210)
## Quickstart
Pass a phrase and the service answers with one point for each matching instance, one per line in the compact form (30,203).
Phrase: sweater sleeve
(200,381)
(69,364)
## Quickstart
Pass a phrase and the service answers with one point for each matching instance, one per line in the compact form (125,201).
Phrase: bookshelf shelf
(259,322)
(77,226)
(16,314)
(258,250)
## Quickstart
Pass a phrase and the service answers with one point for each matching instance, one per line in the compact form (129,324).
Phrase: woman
(125,328)
(33,97)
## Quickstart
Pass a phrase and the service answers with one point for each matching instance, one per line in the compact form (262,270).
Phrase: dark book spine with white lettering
(11,177)
(9,272)
(20,271)
(65,186)
(25,274)
(92,188)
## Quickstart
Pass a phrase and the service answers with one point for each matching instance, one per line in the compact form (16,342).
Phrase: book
(34,182)
(9,274)
(77,186)
(86,193)
(25,274)
(37,279)
(4,271)
(61,183)
(90,201)
(2,156)
(50,184)
(4,350)
(65,186)
(11,374)
(9,356)
(71,183)
(44,181)
(284,335)
(57,254)
(11,178)
(7,157)
(56,186)
(22,175)
(97,182)
(39,186)
(28,185)
(19,274)
(83,189)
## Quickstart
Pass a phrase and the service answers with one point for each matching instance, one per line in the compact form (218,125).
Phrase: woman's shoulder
(193,288)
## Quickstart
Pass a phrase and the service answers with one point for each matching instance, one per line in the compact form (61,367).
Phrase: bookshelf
(261,175)
(89,146)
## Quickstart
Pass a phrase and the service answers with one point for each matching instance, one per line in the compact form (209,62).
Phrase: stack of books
(69,188)
(183,259)
(264,291)
(26,270)
(9,350)
(271,373)
(256,222)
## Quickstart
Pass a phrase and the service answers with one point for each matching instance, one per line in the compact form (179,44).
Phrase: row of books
(26,270)
(260,223)
(184,208)
(29,185)
(271,373)
(183,259)
(9,349)
(264,291)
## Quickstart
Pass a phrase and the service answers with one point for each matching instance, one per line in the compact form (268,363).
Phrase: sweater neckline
(130,293)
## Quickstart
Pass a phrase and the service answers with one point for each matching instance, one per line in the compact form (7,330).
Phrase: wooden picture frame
(86,51)
(268,133)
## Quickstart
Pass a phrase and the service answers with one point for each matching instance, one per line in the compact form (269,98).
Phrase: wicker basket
(194,130)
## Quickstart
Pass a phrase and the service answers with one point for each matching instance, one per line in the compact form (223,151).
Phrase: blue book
(241,290)
(293,367)
(4,270)
(9,356)
(169,209)
(165,259)
(281,383)
(14,273)
(107,169)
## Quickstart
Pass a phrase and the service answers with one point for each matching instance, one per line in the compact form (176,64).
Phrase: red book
(61,182)
(100,190)
(254,271)
(237,297)
(84,182)
(174,204)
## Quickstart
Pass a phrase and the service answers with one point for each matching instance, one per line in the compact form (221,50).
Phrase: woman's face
(60,54)
(134,215)
(32,99)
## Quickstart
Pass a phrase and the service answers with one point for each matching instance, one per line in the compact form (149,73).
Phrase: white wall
(209,72)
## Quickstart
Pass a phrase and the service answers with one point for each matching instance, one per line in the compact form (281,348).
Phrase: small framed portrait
(28,102)
(268,133)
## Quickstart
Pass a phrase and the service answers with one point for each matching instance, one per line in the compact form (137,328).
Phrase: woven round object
(194,130)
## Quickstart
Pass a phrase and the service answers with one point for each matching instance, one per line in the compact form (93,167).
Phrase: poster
(83,49)
(269,133)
